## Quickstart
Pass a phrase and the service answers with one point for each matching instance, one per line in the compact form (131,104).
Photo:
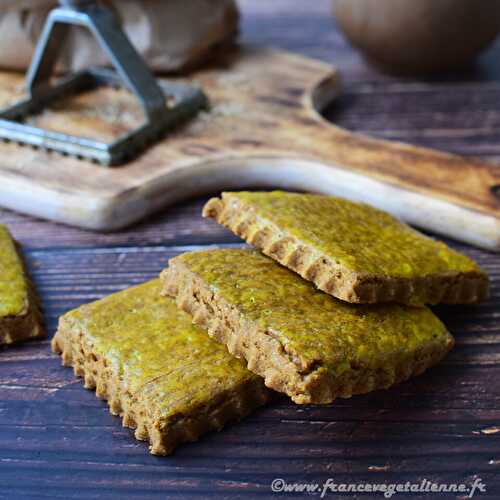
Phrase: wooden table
(58,441)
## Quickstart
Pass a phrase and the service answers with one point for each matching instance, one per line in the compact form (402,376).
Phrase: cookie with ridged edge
(166,378)
(350,250)
(20,317)
(304,342)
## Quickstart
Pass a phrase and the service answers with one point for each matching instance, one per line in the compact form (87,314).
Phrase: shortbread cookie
(304,342)
(352,251)
(20,317)
(164,376)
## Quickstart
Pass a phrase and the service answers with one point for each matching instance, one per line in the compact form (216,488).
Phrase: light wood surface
(264,129)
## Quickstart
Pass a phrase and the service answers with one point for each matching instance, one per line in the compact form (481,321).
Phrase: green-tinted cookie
(165,376)
(350,250)
(19,315)
(304,342)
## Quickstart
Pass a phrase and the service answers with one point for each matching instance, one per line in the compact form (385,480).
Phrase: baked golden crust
(369,271)
(24,326)
(304,343)
(163,375)
(20,317)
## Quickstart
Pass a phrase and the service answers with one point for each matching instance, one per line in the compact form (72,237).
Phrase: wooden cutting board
(264,129)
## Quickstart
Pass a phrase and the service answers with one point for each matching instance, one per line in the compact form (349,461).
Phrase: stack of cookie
(348,316)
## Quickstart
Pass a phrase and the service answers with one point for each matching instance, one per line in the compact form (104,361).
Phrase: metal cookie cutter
(165,104)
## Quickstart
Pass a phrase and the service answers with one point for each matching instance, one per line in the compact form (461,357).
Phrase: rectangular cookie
(20,317)
(352,251)
(163,375)
(304,342)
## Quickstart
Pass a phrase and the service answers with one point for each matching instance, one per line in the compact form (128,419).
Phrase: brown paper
(170,34)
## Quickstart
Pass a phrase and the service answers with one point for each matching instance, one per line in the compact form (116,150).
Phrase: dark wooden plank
(58,440)
(460,118)
(180,225)
(432,424)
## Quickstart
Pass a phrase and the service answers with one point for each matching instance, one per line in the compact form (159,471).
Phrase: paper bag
(172,35)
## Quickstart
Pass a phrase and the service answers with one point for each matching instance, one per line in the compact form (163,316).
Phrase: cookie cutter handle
(105,27)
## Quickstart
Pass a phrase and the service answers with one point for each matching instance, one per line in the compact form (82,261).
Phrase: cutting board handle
(468,182)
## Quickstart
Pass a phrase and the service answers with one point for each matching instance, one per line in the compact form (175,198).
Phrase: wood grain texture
(264,128)
(58,441)
(61,436)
